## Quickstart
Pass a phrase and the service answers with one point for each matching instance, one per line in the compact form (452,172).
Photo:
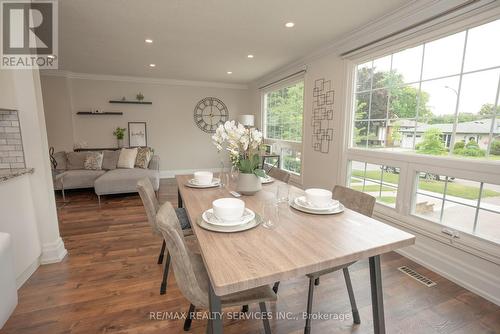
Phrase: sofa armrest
(154,163)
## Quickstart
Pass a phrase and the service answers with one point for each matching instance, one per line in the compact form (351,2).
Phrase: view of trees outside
(284,111)
(407,101)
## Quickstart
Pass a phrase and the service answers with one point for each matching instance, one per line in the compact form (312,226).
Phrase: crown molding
(404,16)
(142,80)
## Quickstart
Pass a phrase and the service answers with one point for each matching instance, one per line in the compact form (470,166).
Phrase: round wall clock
(209,113)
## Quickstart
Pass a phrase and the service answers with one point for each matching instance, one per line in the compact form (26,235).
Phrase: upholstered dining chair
(279,174)
(363,204)
(193,280)
(152,205)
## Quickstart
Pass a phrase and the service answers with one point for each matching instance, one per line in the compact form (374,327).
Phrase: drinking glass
(270,214)
(282,192)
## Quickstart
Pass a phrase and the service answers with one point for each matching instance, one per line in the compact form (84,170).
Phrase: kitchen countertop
(7,174)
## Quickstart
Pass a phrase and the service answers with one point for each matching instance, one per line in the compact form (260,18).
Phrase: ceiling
(203,39)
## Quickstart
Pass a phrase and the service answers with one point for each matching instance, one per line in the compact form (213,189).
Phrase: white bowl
(228,209)
(319,197)
(203,178)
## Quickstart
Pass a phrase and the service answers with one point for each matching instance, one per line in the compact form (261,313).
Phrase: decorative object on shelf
(247,120)
(139,97)
(209,113)
(243,145)
(123,98)
(79,145)
(322,120)
(137,135)
(119,133)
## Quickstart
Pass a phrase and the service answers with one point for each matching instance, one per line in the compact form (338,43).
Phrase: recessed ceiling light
(229,72)
(152,65)
(250,56)
(289,24)
(148,40)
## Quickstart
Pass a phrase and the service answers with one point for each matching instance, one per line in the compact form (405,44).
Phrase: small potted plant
(119,133)
(139,97)
(243,145)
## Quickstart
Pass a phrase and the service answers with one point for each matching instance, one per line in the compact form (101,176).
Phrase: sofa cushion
(60,158)
(144,155)
(75,160)
(110,159)
(93,161)
(82,178)
(119,181)
(127,158)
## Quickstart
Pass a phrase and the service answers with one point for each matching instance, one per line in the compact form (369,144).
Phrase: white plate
(265,180)
(192,183)
(302,202)
(229,229)
(338,209)
(209,217)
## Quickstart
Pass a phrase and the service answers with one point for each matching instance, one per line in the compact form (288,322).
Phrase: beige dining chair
(152,205)
(363,204)
(192,276)
(279,174)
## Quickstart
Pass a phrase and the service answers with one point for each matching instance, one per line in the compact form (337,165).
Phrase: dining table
(299,244)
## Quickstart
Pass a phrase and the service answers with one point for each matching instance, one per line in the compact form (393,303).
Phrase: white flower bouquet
(243,145)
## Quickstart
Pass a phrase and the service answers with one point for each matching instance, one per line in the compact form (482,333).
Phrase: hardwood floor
(109,283)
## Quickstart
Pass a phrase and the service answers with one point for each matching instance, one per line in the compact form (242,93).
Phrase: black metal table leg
(215,323)
(377,295)
(179,199)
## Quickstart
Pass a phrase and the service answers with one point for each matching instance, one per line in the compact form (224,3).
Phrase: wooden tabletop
(300,244)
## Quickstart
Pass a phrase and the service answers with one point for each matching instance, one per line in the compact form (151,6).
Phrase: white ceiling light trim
(143,80)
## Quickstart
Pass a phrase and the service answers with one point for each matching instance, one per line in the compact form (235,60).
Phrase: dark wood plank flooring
(109,283)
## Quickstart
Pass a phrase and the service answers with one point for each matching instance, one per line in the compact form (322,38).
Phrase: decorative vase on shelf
(248,184)
(120,143)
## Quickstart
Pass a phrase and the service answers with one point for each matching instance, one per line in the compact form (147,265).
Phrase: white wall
(170,126)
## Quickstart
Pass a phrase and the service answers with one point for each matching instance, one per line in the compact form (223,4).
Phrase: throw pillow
(93,161)
(127,158)
(144,155)
(75,160)
(110,159)
(60,158)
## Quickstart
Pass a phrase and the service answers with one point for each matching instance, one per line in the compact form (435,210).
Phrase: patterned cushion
(144,155)
(93,161)
(75,160)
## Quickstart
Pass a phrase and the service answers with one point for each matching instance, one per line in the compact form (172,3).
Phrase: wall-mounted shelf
(130,102)
(99,113)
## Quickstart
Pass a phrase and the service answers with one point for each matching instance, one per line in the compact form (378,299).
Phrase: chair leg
(316,281)
(189,319)
(276,287)
(162,251)
(355,313)
(265,320)
(310,295)
(99,200)
(163,288)
(244,309)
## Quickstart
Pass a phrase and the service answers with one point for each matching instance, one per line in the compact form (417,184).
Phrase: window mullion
(444,199)
(418,97)
(477,208)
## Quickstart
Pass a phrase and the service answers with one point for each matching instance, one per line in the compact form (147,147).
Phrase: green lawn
(454,189)
(372,187)
(387,199)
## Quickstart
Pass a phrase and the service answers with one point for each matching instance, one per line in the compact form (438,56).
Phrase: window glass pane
(428,207)
(400,135)
(379,102)
(291,160)
(377,134)
(458,216)
(363,76)
(362,106)
(444,56)
(379,181)
(381,71)
(407,64)
(359,136)
(488,222)
(483,49)
(403,102)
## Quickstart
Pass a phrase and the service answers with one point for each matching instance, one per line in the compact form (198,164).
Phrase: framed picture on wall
(137,135)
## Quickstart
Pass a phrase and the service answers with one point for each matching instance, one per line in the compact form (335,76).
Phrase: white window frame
(411,163)
(285,144)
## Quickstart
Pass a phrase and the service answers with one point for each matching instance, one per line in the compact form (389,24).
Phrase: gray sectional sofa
(69,173)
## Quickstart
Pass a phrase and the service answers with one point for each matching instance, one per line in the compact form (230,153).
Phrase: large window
(438,98)
(425,135)
(283,118)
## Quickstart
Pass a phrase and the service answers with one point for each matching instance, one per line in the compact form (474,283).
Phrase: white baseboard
(23,277)
(168,174)
(53,252)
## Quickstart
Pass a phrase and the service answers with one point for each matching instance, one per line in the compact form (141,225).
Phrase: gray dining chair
(279,174)
(363,204)
(152,205)
(193,280)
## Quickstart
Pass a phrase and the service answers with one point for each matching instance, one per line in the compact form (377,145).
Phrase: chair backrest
(279,174)
(191,275)
(355,200)
(149,200)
